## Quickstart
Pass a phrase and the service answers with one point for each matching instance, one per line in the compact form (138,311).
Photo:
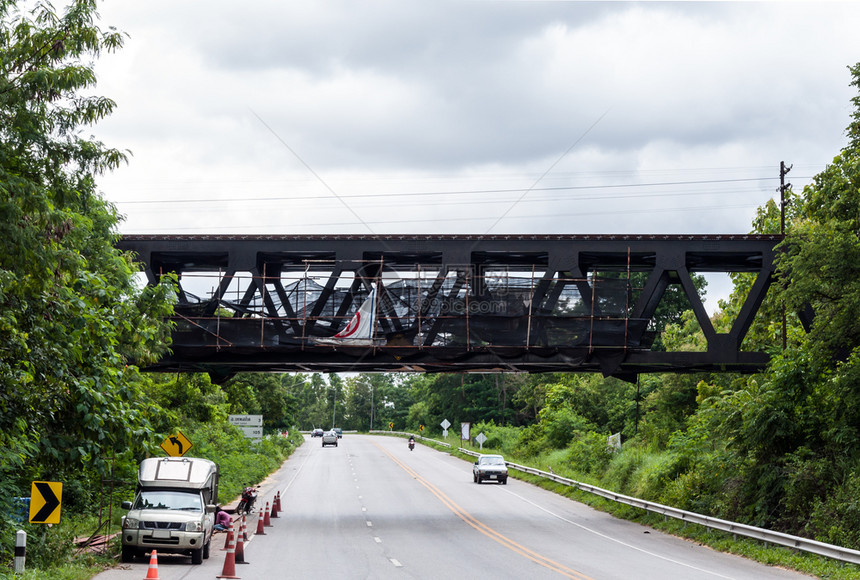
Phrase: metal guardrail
(761,534)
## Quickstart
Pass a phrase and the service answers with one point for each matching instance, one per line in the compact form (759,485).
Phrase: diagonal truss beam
(448,303)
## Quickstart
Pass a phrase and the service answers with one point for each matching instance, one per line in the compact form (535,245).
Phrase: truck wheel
(197,556)
(206,549)
(128,554)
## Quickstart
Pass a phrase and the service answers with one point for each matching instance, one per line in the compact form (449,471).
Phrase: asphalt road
(370,508)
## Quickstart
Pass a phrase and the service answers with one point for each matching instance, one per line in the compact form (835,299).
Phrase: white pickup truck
(174,509)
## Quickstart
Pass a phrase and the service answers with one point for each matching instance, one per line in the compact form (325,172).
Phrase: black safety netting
(432,311)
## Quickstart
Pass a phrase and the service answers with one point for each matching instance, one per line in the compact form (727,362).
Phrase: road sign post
(20,550)
(250,425)
(445,424)
(481,438)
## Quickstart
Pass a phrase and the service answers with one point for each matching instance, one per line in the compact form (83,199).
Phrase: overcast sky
(407,116)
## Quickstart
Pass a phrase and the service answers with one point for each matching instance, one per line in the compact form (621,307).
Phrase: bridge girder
(448,303)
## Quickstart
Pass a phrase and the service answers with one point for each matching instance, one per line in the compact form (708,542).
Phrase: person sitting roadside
(223,521)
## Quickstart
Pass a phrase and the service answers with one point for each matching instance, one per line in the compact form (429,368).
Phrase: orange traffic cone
(152,572)
(228,539)
(275,506)
(240,546)
(244,530)
(266,521)
(260,524)
(229,570)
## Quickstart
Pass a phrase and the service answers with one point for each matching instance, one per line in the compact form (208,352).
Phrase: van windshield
(168,500)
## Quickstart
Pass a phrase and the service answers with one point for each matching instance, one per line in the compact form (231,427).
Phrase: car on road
(317,433)
(329,438)
(490,468)
(339,432)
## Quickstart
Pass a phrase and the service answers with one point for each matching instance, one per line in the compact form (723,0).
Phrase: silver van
(173,510)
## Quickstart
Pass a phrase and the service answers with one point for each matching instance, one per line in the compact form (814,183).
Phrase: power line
(401,221)
(457,192)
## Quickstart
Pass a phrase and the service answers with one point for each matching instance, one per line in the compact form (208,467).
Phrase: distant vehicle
(329,438)
(490,468)
(317,433)
(339,432)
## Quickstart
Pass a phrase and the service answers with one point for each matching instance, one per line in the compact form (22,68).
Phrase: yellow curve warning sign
(45,500)
(176,445)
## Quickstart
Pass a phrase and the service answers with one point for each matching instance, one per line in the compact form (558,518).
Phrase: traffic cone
(240,546)
(228,539)
(244,530)
(278,501)
(275,506)
(152,572)
(260,525)
(266,521)
(229,570)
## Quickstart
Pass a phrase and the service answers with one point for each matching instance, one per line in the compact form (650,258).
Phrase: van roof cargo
(191,473)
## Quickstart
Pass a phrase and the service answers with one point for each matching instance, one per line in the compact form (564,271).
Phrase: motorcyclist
(249,495)
(411,441)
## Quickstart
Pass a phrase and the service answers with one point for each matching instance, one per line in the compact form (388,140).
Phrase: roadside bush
(48,546)
(709,487)
(531,441)
(589,453)
(622,466)
(502,438)
(561,426)
(836,519)
(241,462)
(655,471)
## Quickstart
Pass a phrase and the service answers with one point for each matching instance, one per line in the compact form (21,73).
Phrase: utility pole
(371,406)
(333,407)
(783,187)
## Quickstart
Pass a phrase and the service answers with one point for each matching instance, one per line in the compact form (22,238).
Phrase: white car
(329,438)
(490,468)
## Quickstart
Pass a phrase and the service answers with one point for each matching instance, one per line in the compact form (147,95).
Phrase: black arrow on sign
(177,442)
(51,502)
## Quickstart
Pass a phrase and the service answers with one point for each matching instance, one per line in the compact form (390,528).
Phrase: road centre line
(485,529)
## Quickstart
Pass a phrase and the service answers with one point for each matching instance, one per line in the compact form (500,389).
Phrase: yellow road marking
(485,529)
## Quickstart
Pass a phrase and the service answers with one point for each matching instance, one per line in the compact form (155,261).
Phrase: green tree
(312,408)
(794,431)
(72,320)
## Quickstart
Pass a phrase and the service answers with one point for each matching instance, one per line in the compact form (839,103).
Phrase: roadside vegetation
(779,450)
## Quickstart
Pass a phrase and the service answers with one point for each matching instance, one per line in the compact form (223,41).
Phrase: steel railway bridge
(448,303)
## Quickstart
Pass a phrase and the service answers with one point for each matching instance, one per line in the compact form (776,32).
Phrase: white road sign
(252,432)
(246,420)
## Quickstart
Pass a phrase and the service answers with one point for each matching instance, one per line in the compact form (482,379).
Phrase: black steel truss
(447,303)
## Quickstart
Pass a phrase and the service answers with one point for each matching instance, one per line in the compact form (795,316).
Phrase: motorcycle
(246,504)
(411,444)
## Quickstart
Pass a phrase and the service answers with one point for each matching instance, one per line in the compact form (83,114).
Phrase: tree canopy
(72,318)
